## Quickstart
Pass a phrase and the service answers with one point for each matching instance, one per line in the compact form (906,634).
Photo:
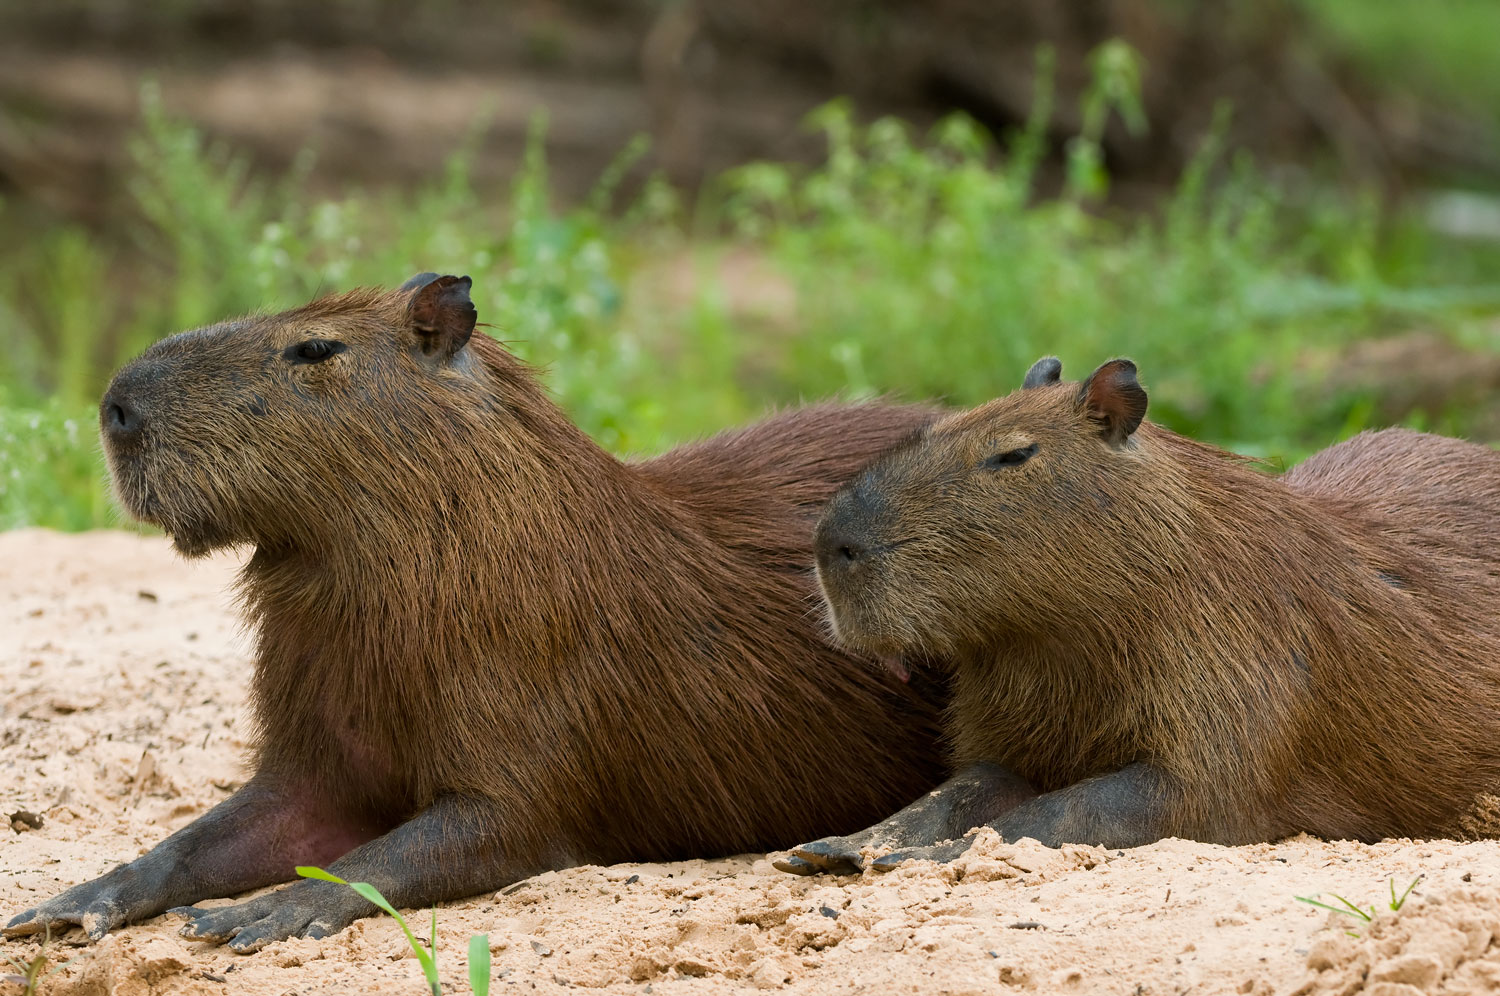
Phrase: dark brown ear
(1113,398)
(441,314)
(1047,370)
(420,280)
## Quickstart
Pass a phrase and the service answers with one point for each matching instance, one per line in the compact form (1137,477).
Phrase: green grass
(51,472)
(915,265)
(479,944)
(1364,914)
(30,974)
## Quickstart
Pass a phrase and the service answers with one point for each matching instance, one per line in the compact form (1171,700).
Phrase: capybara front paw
(831,855)
(941,853)
(296,911)
(95,910)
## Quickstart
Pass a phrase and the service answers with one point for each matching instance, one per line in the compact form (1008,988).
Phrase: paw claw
(886,862)
(795,866)
(200,928)
(22,924)
(255,937)
(833,856)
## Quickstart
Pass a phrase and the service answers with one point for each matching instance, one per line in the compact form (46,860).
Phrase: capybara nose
(843,537)
(839,549)
(121,419)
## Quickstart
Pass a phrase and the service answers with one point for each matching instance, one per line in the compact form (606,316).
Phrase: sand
(122,718)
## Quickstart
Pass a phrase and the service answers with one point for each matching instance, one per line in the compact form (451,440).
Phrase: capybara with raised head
(485,647)
(1150,637)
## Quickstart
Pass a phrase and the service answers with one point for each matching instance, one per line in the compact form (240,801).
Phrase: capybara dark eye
(314,350)
(1011,458)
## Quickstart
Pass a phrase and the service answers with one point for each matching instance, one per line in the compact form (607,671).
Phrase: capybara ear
(1047,370)
(1115,399)
(420,280)
(441,313)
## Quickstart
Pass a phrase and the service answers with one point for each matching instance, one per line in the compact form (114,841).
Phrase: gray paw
(94,909)
(304,909)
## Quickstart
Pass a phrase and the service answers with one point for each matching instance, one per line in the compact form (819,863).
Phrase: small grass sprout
(29,974)
(479,944)
(1365,914)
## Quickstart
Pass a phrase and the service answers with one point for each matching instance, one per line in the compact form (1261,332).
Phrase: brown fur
(1317,652)
(456,591)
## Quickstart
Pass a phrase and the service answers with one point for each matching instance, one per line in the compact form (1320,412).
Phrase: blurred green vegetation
(1443,50)
(919,266)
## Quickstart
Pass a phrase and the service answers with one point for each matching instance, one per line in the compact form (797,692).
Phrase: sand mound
(121,696)
(1448,944)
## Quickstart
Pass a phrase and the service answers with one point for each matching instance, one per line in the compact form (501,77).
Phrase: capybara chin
(485,647)
(1150,637)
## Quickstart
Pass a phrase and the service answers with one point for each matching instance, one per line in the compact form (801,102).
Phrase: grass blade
(1396,904)
(368,891)
(309,871)
(1356,911)
(479,964)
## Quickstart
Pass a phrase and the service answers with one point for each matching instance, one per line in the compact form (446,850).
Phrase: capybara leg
(1125,809)
(251,839)
(451,849)
(975,796)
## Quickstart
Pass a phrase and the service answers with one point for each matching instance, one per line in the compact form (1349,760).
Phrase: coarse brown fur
(457,594)
(1314,652)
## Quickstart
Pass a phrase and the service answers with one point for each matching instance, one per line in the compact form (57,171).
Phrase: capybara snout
(121,416)
(174,425)
(219,435)
(852,532)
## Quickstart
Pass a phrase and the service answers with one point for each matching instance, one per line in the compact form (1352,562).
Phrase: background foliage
(934,264)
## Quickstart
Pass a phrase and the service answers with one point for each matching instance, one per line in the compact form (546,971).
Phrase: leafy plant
(479,944)
(929,265)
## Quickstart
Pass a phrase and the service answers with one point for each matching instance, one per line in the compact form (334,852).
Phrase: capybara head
(978,525)
(273,429)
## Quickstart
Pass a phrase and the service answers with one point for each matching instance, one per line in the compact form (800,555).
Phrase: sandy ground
(121,719)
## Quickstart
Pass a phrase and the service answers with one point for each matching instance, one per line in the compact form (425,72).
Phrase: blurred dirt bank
(384,91)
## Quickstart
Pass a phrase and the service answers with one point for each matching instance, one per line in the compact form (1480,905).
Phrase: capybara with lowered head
(1151,638)
(485,647)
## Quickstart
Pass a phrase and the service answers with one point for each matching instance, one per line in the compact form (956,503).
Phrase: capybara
(1149,637)
(485,647)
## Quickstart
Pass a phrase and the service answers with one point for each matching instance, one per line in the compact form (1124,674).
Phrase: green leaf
(479,964)
(373,895)
(1356,911)
(368,891)
(1396,904)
